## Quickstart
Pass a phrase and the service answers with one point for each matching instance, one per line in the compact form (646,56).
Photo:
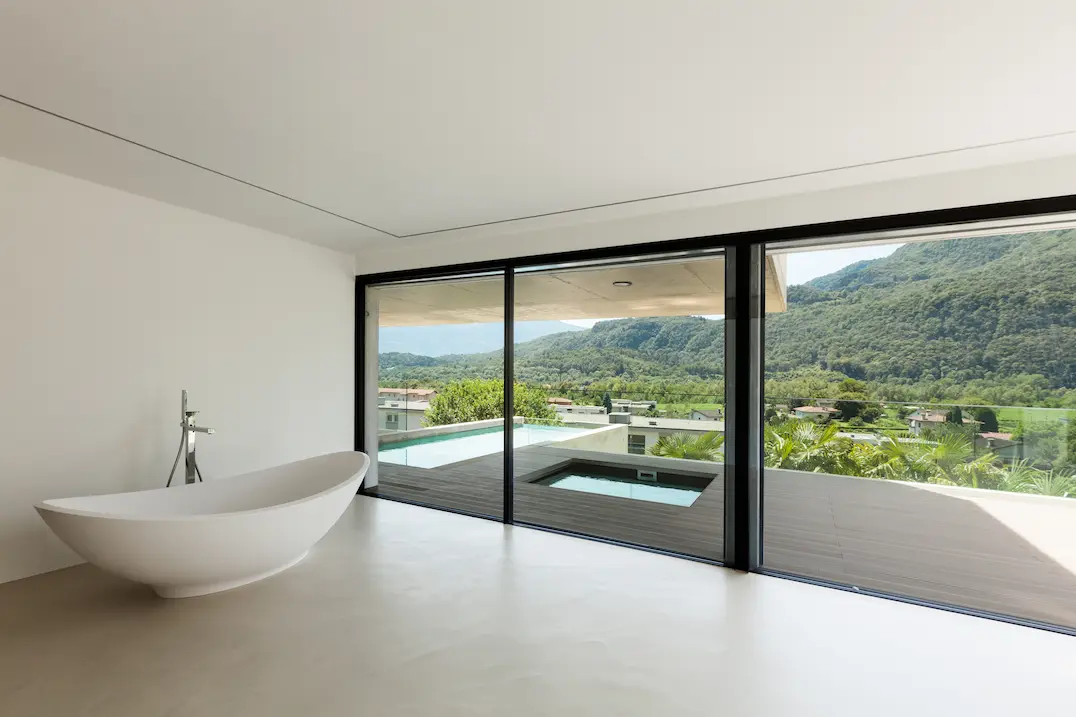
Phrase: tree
(848,409)
(1070,444)
(955,415)
(870,412)
(706,447)
(852,386)
(806,446)
(483,399)
(607,401)
(986,417)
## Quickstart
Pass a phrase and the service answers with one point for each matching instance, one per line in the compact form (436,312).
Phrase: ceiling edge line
(196,165)
(735,185)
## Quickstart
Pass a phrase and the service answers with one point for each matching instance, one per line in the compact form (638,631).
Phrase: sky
(804,266)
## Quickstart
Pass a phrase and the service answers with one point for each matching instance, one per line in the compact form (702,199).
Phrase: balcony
(990,550)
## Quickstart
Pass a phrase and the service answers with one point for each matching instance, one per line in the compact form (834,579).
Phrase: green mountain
(958,310)
(964,314)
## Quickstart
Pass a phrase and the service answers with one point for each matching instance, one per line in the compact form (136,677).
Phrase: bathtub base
(186,591)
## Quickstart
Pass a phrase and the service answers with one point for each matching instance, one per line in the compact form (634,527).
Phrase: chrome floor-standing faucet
(187,445)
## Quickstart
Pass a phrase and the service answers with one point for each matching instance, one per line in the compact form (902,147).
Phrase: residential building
(574,410)
(634,407)
(1001,444)
(407,395)
(815,413)
(923,418)
(644,431)
(402,415)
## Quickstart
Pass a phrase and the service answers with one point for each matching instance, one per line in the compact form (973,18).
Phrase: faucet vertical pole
(188,443)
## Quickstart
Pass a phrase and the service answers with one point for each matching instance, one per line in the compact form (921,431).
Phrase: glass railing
(1008,448)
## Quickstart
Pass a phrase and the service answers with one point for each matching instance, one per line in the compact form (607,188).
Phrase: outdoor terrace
(988,550)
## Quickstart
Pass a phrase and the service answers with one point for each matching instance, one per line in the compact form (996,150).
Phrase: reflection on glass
(441,392)
(920,431)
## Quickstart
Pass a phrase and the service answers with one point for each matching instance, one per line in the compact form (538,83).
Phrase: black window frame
(745,314)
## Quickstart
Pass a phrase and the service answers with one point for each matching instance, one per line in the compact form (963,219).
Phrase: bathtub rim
(355,477)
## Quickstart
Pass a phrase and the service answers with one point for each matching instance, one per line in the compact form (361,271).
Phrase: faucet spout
(187,444)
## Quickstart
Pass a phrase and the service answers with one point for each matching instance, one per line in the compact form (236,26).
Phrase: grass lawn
(684,410)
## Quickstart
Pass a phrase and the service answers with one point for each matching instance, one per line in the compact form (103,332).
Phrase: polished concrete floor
(994,551)
(408,611)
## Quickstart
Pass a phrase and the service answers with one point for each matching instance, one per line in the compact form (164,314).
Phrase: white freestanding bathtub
(202,538)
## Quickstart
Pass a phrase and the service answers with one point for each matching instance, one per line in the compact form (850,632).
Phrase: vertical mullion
(509,392)
(360,364)
(743,446)
(367,323)
(755,399)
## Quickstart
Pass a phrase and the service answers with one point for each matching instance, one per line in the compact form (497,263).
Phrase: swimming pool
(435,451)
(619,487)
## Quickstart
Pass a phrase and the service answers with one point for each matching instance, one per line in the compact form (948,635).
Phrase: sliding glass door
(619,389)
(439,426)
(920,406)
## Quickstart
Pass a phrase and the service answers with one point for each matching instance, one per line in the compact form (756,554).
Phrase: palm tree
(1016,476)
(978,473)
(945,460)
(706,447)
(1052,483)
(947,453)
(895,458)
(807,446)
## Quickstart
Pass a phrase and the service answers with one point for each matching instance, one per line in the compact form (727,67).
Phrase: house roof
(935,418)
(815,409)
(997,435)
(410,391)
(708,413)
(559,401)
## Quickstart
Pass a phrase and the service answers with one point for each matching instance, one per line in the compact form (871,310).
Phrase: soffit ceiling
(672,288)
(354,123)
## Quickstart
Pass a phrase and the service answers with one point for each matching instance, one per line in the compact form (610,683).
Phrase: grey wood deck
(881,535)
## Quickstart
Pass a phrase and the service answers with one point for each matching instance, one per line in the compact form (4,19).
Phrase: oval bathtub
(202,538)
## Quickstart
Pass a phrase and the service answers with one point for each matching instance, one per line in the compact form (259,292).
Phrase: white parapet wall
(608,439)
(399,436)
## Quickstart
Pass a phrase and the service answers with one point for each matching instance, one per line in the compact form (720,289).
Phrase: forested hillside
(986,318)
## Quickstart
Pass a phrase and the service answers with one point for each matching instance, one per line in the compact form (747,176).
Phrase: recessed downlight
(621,283)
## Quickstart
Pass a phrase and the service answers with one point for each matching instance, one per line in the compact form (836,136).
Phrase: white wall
(110,304)
(607,439)
(732,211)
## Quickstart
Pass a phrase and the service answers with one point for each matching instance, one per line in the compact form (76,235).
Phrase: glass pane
(619,401)
(920,432)
(440,402)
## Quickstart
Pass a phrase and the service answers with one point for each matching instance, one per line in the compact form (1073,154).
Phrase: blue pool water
(437,451)
(624,488)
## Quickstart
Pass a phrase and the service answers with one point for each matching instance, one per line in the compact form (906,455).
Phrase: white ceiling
(355,122)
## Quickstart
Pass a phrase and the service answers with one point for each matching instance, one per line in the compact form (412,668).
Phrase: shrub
(483,399)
